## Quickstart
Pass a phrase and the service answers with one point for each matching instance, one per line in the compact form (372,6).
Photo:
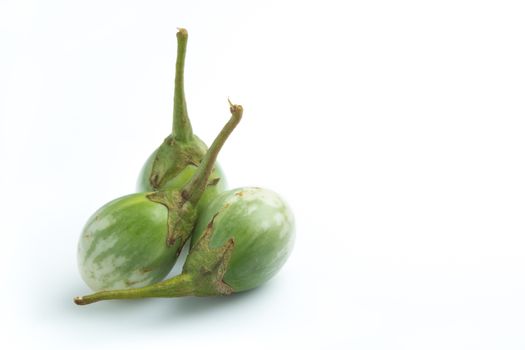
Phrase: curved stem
(181,128)
(194,189)
(178,286)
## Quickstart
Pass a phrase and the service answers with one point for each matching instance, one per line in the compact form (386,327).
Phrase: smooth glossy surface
(262,226)
(123,244)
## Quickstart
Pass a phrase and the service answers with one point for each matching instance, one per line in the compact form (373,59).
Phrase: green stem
(181,129)
(179,286)
(194,189)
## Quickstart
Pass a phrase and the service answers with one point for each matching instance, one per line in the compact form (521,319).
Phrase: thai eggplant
(135,240)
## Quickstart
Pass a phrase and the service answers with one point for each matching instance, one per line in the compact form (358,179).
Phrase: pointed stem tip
(182,32)
(194,189)
(235,109)
(178,286)
(79,301)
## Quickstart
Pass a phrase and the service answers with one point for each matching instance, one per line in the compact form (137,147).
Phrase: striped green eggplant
(134,240)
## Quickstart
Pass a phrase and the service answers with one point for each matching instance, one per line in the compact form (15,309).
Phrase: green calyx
(181,203)
(171,158)
(208,265)
(202,275)
(181,216)
(181,148)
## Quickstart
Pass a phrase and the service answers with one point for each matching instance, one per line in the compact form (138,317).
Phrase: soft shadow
(191,307)
(59,307)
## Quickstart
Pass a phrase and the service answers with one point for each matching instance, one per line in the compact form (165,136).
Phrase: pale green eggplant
(135,240)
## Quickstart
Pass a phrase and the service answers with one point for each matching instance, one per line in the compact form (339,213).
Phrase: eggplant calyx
(181,216)
(172,157)
(208,265)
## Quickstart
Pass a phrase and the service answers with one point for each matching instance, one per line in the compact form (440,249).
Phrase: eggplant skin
(262,226)
(123,244)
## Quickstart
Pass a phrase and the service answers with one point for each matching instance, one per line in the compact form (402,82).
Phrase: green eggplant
(173,163)
(240,241)
(134,241)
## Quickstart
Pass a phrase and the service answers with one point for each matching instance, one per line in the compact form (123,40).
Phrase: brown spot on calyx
(210,224)
(171,240)
(154,180)
(224,288)
(214,181)
(239,194)
(145,270)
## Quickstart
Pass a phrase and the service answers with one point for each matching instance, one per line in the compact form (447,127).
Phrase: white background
(395,130)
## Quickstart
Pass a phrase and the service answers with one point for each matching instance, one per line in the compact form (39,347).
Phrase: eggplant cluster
(238,238)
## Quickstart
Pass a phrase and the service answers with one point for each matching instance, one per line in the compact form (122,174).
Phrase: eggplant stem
(194,189)
(179,286)
(181,128)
